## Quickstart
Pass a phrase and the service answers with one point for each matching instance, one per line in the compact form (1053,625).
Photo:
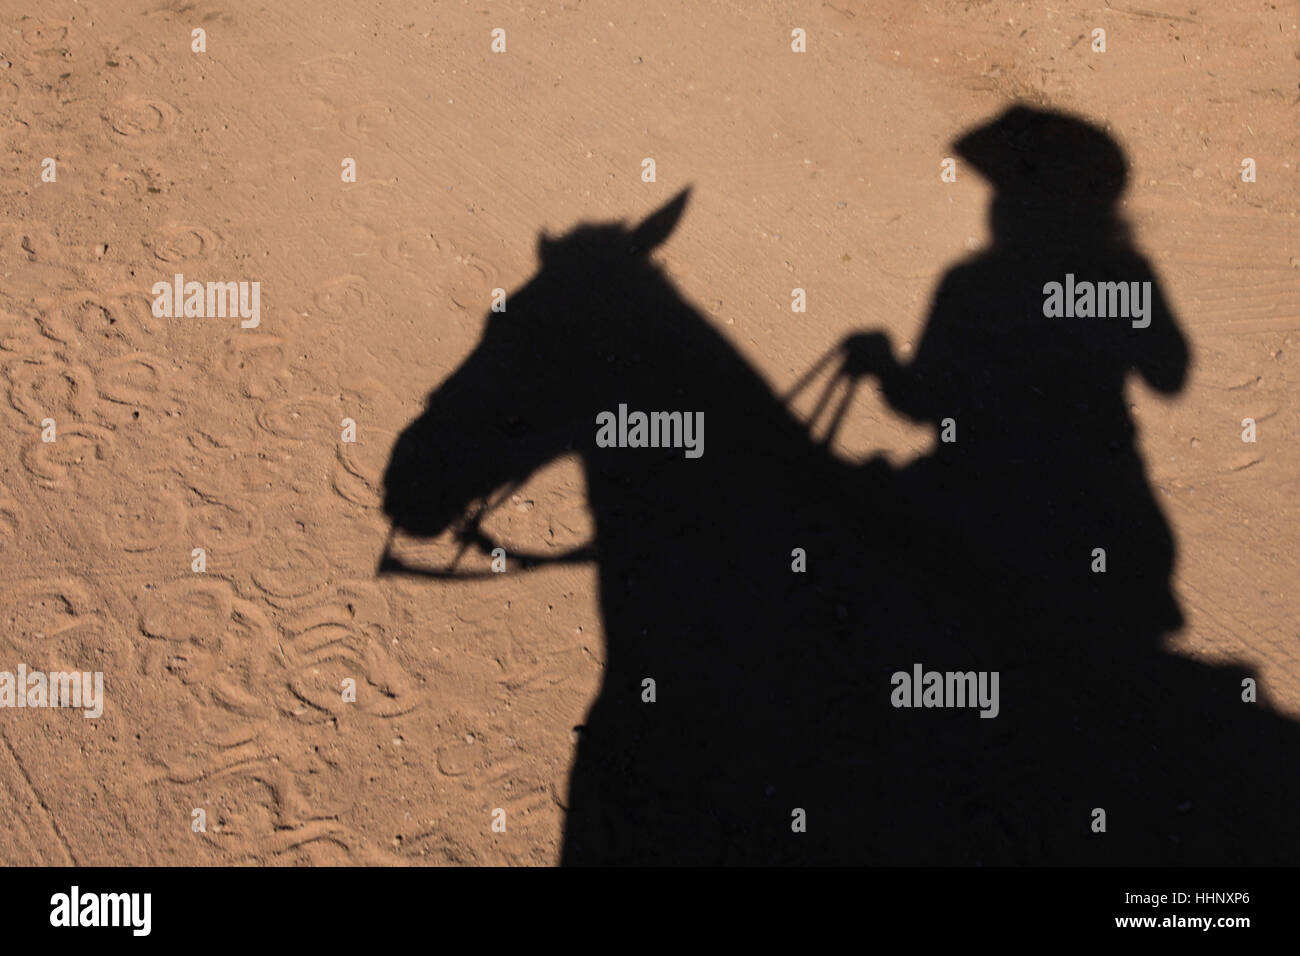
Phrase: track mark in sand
(1152,15)
(1234,388)
(412,248)
(556,668)
(20,335)
(282,841)
(224,660)
(225,527)
(139,388)
(49,607)
(31,242)
(149,517)
(437,263)
(17,323)
(258,364)
(187,609)
(244,758)
(507,778)
(344,296)
(137,118)
(122,183)
(358,474)
(41,390)
(12,127)
(59,619)
(44,33)
(64,464)
(243,485)
(470,282)
(526,802)
(128,54)
(368,120)
(375,202)
(180,242)
(239,766)
(292,575)
(342,637)
(64,858)
(134,311)
(386,691)
(11,523)
(459,757)
(300,420)
(324,841)
(137,378)
(85,318)
(334,71)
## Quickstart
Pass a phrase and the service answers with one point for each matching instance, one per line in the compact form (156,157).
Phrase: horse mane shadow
(763,600)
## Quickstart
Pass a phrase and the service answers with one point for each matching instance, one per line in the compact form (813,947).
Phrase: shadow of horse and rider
(773,736)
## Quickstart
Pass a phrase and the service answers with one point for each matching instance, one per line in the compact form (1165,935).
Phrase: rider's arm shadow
(925,389)
(963,344)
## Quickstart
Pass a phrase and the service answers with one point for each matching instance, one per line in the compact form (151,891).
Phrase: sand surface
(818,170)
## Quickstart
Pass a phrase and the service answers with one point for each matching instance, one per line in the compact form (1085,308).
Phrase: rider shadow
(1045,555)
(739,695)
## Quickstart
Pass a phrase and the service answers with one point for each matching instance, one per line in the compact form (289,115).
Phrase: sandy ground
(819,170)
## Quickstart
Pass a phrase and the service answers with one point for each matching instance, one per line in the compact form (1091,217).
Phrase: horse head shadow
(701,507)
(760,596)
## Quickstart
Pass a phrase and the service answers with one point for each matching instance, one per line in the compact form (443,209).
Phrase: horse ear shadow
(660,224)
(545,244)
